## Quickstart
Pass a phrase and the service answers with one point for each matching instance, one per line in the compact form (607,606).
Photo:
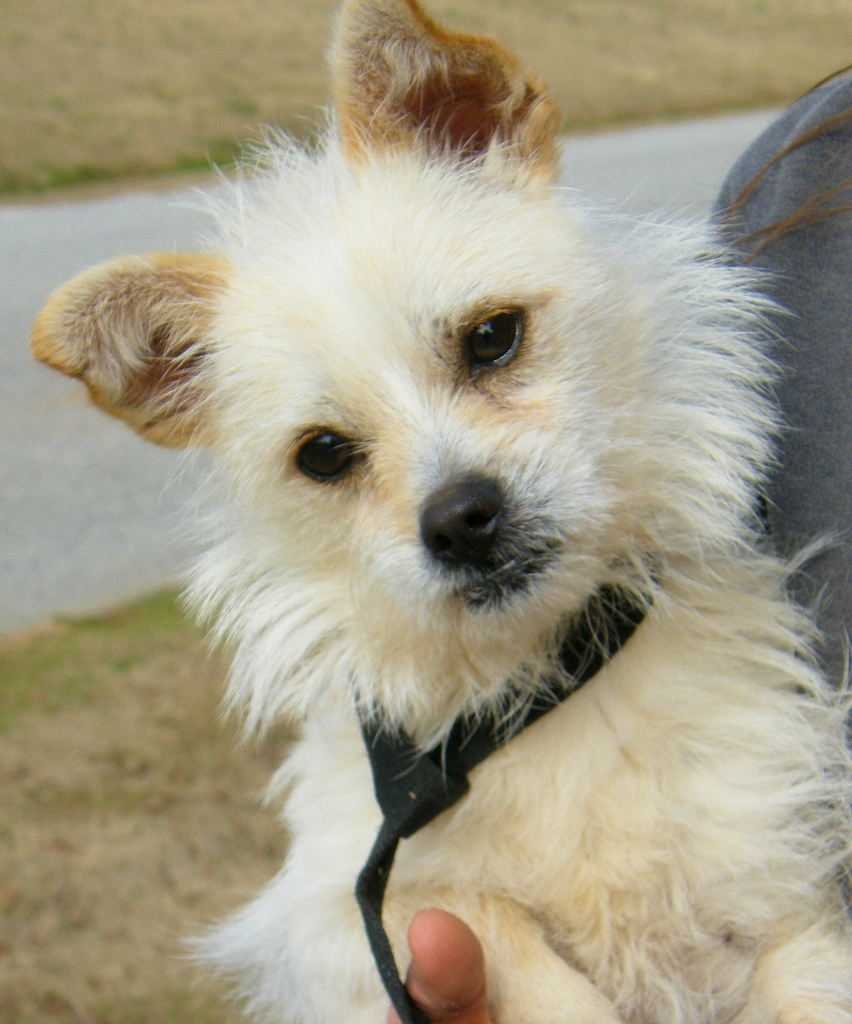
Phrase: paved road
(675,167)
(89,515)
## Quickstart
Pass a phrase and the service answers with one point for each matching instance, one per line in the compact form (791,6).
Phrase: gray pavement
(89,514)
(677,168)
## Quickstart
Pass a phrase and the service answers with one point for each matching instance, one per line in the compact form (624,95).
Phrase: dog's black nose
(460,522)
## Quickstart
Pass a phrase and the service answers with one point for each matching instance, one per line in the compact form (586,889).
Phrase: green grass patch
(64,662)
(223,156)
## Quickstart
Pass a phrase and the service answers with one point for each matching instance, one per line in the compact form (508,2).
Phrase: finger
(447,974)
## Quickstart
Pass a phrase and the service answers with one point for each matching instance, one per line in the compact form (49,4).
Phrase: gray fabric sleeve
(810,270)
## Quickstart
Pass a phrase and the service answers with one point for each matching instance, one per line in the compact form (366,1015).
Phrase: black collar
(412,789)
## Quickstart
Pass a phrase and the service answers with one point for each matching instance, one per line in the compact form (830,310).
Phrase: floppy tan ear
(135,331)
(401,79)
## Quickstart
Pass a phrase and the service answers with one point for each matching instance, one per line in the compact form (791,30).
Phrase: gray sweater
(811,267)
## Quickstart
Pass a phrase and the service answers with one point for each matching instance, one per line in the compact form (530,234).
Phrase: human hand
(447,974)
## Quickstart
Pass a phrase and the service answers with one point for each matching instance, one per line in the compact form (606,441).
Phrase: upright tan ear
(401,79)
(136,331)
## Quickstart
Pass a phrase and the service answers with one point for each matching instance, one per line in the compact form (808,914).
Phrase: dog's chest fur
(636,824)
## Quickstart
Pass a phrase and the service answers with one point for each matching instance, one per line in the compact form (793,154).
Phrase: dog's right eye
(326,456)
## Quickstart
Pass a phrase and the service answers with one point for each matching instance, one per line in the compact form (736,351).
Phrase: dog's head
(448,408)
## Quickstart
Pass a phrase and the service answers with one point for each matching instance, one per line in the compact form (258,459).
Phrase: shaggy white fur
(662,848)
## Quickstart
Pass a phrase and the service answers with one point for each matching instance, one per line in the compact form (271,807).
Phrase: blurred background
(91,89)
(130,814)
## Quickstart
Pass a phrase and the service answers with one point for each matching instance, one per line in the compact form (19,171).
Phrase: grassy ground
(129,819)
(92,89)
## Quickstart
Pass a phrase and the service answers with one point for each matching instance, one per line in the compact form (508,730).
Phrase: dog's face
(413,392)
(427,382)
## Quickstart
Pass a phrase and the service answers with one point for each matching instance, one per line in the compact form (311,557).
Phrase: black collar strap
(413,789)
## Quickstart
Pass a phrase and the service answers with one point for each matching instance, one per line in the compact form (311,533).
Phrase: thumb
(447,974)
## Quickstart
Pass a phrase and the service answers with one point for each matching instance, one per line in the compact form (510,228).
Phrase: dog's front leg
(528,982)
(806,980)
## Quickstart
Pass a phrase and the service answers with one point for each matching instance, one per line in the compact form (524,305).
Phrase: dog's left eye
(326,456)
(494,341)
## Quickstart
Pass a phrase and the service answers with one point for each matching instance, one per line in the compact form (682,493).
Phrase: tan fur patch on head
(403,80)
(134,330)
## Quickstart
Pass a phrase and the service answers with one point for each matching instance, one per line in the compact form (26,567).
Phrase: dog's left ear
(402,80)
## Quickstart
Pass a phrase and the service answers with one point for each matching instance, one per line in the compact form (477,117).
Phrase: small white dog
(454,406)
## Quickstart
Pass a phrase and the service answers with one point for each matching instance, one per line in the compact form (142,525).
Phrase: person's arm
(787,207)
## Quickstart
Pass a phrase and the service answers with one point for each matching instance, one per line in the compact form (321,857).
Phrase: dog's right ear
(136,331)
(401,79)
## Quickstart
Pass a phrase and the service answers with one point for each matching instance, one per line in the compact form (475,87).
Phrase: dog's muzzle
(492,552)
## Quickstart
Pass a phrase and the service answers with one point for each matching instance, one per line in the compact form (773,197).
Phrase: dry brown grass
(98,88)
(129,818)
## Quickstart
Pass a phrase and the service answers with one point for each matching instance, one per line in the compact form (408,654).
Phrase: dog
(451,403)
